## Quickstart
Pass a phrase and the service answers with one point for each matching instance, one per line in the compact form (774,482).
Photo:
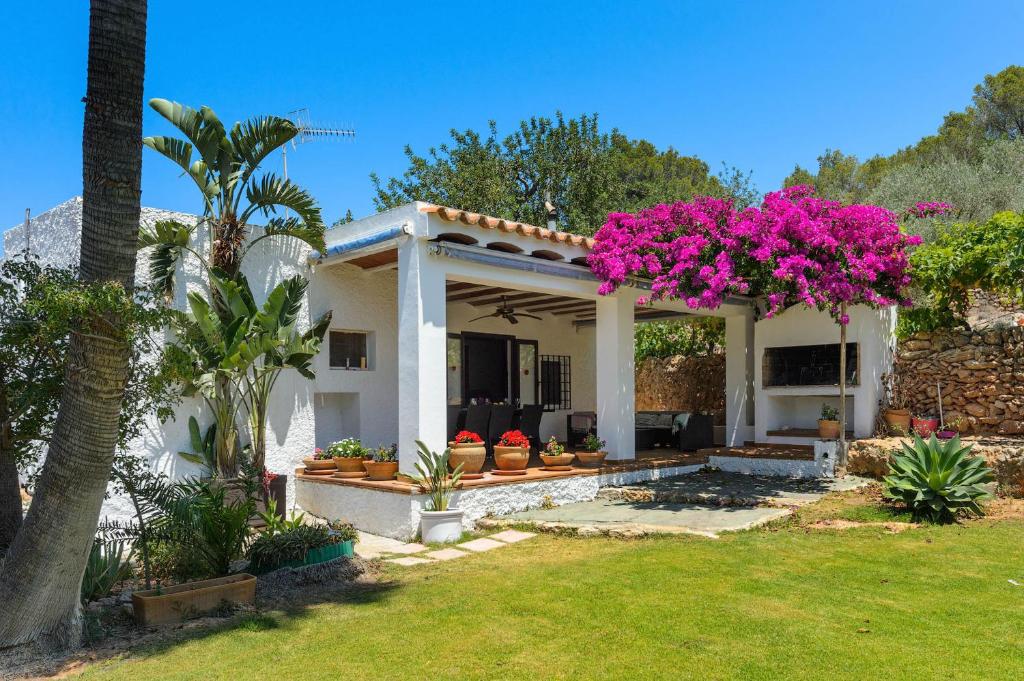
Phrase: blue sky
(761,86)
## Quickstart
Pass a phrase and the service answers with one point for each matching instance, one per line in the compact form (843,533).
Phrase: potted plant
(555,457)
(896,414)
(468,449)
(512,453)
(593,453)
(953,428)
(828,424)
(925,425)
(384,463)
(294,543)
(438,521)
(348,455)
(320,463)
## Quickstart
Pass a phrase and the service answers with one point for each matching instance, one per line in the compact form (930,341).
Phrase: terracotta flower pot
(319,466)
(897,419)
(511,458)
(470,454)
(828,430)
(558,462)
(591,459)
(349,467)
(380,470)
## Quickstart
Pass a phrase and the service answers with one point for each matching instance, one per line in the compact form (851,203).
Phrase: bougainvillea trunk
(843,320)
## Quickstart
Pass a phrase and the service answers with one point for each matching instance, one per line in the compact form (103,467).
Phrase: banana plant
(291,349)
(224,165)
(245,348)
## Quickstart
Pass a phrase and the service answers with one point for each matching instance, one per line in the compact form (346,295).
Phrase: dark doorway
(485,368)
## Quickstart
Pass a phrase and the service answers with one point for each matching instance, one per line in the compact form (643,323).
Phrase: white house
(412,292)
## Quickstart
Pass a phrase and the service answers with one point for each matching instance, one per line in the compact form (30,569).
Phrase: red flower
(467,436)
(513,438)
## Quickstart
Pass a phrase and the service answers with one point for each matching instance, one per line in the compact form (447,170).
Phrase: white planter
(441,526)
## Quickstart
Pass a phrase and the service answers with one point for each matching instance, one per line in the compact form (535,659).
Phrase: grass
(779,603)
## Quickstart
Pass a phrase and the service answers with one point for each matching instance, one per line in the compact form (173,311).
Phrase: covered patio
(458,314)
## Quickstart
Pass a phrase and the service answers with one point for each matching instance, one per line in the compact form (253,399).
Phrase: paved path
(411,553)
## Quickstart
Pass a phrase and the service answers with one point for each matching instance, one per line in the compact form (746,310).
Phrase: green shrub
(108,565)
(271,550)
(176,561)
(691,338)
(937,480)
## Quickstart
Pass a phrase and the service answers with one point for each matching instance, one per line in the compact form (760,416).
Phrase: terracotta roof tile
(488,222)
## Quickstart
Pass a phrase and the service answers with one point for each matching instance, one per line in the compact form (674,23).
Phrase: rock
(917,345)
(975,365)
(975,409)
(916,354)
(1011,427)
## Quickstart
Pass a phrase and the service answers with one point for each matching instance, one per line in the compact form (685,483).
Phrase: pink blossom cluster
(929,209)
(794,248)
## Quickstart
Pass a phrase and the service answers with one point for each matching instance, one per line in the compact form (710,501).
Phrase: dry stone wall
(981,374)
(694,384)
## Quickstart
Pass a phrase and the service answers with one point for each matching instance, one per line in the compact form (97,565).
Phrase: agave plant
(432,476)
(936,479)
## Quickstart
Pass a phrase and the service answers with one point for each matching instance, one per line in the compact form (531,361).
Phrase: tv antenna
(309,132)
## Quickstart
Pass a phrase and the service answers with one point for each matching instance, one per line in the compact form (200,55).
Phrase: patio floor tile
(482,544)
(446,554)
(408,561)
(512,536)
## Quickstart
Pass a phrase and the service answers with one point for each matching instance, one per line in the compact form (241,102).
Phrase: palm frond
(272,193)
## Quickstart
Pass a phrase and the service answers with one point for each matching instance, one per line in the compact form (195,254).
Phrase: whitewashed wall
(800,407)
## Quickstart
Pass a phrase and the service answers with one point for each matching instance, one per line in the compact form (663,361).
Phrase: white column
(422,341)
(739,380)
(616,396)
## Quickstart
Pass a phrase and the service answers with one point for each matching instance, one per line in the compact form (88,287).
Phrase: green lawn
(772,604)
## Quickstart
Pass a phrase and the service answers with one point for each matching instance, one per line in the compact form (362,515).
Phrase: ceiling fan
(507,312)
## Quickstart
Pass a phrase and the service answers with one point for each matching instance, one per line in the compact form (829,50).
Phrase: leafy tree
(965,256)
(958,155)
(40,308)
(697,337)
(570,164)
(999,101)
(41,572)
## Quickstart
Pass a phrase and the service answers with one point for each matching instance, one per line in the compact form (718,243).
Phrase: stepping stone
(405,548)
(483,544)
(408,561)
(512,536)
(365,552)
(446,554)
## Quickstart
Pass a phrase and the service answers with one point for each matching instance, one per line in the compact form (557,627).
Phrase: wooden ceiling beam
(513,298)
(488,291)
(551,300)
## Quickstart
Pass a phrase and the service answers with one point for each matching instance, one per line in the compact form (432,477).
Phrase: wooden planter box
(184,601)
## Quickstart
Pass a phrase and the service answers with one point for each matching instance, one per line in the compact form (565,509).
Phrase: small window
(555,382)
(350,350)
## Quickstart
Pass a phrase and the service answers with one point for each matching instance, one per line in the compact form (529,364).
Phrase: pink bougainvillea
(794,248)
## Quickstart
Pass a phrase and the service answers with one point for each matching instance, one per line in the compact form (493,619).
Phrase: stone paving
(719,488)
(705,503)
(409,554)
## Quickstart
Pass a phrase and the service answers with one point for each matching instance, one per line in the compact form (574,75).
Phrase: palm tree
(41,573)
(226,174)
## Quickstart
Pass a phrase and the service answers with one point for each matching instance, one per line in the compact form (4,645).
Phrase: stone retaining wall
(870,457)
(694,384)
(981,372)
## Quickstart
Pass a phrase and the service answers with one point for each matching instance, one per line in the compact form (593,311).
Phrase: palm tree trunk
(10,485)
(41,573)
